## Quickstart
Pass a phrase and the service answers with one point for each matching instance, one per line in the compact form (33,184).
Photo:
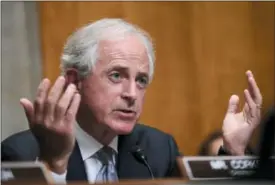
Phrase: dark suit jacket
(159,148)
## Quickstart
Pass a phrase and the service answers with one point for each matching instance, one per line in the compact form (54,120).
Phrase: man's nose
(130,93)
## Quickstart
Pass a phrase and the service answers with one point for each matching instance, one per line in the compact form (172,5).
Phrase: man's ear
(72,76)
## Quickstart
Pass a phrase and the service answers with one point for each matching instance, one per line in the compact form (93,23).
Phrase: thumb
(28,108)
(233,104)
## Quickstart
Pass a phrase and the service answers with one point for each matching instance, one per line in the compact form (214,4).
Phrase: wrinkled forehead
(126,50)
(126,45)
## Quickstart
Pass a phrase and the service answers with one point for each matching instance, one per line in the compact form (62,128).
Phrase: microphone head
(138,153)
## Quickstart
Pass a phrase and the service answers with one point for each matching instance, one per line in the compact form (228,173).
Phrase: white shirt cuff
(59,178)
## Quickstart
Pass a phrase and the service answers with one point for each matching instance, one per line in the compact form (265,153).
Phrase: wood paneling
(203,50)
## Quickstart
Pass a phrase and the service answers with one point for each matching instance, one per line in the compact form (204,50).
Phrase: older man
(85,126)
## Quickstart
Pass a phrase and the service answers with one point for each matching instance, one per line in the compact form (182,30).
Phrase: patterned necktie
(107,172)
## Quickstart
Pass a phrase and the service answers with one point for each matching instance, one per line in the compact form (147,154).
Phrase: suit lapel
(125,159)
(127,166)
(76,167)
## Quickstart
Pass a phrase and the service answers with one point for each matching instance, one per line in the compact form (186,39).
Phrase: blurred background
(203,50)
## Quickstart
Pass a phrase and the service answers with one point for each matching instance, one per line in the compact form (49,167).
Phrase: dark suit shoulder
(21,146)
(154,138)
(161,149)
(149,131)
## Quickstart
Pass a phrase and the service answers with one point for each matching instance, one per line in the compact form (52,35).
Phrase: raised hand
(51,119)
(239,126)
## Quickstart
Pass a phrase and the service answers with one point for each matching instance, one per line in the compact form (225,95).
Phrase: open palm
(239,126)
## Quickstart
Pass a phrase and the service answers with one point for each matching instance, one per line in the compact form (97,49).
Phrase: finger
(29,110)
(54,96)
(250,87)
(65,101)
(251,104)
(72,110)
(249,73)
(40,99)
(254,89)
(248,99)
(233,104)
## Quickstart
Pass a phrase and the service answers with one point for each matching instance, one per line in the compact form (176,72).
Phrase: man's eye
(143,81)
(115,77)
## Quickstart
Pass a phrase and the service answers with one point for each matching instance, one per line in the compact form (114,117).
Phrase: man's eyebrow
(118,67)
(144,74)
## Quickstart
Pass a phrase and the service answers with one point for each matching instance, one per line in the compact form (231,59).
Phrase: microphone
(139,155)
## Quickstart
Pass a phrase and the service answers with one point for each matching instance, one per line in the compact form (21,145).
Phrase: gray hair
(81,49)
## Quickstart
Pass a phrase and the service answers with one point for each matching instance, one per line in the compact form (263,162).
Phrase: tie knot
(106,154)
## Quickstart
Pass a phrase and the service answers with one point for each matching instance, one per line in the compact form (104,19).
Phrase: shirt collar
(89,145)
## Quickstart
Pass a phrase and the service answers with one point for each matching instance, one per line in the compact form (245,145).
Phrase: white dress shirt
(88,147)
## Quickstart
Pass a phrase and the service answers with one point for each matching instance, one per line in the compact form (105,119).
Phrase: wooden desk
(160,182)
(122,182)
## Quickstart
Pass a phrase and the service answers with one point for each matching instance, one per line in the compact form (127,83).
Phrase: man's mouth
(126,113)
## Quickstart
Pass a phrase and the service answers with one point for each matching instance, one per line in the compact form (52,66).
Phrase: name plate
(22,171)
(218,167)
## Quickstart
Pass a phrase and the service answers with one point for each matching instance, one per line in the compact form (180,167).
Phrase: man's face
(114,92)
(215,146)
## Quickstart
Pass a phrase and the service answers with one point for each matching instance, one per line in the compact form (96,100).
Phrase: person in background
(212,143)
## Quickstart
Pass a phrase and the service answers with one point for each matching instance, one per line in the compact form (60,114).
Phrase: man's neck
(100,132)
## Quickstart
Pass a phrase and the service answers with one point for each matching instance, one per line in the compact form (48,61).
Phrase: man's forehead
(142,66)
(131,45)
(125,53)
(129,65)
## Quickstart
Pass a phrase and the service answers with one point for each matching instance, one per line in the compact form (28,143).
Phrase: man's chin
(121,128)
